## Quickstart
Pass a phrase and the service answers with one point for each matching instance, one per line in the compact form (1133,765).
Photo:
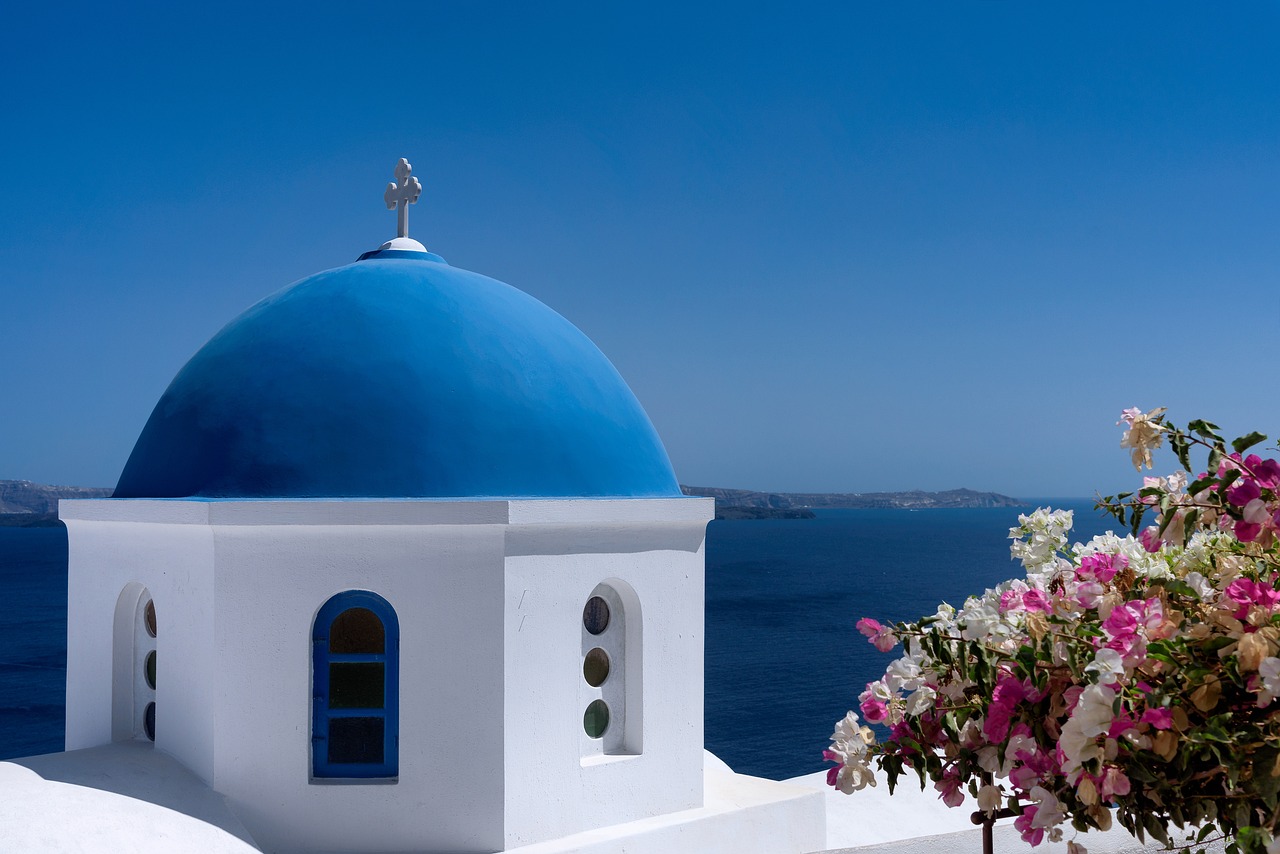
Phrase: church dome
(398,376)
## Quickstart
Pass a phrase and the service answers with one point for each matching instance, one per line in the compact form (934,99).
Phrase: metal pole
(988,823)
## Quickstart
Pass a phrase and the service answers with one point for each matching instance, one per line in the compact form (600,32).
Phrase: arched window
(355,657)
(610,687)
(133,688)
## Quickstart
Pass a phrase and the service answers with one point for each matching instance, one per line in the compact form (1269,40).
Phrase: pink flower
(881,637)
(949,786)
(833,774)
(1150,539)
(1114,782)
(1120,725)
(1247,593)
(1034,600)
(1089,594)
(873,709)
(1008,693)
(1122,621)
(1103,567)
(1260,523)
(1033,836)
(1071,696)
(1161,718)
(1243,491)
(1265,472)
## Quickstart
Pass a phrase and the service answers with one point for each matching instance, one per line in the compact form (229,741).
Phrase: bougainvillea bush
(1130,679)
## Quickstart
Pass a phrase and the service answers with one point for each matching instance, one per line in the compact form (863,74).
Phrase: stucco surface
(119,797)
(910,821)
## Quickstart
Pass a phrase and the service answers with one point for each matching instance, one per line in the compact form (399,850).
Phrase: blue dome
(398,376)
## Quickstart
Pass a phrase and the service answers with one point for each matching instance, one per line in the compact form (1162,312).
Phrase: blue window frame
(355,658)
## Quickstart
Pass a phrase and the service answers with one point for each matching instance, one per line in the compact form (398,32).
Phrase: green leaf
(1246,442)
(1189,521)
(1215,457)
(1181,449)
(1204,428)
(1180,587)
(1264,763)
(1198,486)
(1156,828)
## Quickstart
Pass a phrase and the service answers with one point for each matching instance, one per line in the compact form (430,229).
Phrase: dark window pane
(357,630)
(356,686)
(596,615)
(596,719)
(149,721)
(149,617)
(355,740)
(150,668)
(595,668)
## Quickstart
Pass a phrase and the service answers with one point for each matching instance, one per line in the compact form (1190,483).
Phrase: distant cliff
(25,503)
(747,504)
(22,502)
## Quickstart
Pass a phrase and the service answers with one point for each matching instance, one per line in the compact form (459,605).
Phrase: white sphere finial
(401,193)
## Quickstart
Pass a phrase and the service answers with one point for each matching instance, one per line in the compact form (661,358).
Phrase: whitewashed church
(398,563)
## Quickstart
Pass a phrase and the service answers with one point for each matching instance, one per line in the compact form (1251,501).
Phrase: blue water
(783,660)
(33,639)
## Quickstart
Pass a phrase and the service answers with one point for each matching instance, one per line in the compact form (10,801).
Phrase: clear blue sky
(860,246)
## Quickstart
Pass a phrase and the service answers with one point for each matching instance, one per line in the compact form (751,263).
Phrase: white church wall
(111,547)
(654,547)
(445,583)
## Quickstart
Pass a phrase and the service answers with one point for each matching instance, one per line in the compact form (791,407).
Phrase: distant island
(26,504)
(748,504)
(23,503)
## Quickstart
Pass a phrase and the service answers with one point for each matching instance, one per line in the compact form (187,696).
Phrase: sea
(783,659)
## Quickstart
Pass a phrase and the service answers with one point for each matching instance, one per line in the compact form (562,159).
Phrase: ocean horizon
(783,659)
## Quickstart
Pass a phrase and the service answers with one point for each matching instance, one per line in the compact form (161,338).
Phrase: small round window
(595,616)
(149,721)
(149,617)
(150,670)
(595,668)
(596,719)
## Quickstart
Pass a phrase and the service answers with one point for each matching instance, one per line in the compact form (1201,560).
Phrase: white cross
(400,195)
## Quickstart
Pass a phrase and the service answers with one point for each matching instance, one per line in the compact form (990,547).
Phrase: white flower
(921,700)
(1046,534)
(1269,672)
(1201,585)
(1094,710)
(1016,743)
(854,775)
(1051,812)
(989,761)
(851,738)
(1108,665)
(903,674)
(1142,433)
(989,798)
(1091,718)
(980,617)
